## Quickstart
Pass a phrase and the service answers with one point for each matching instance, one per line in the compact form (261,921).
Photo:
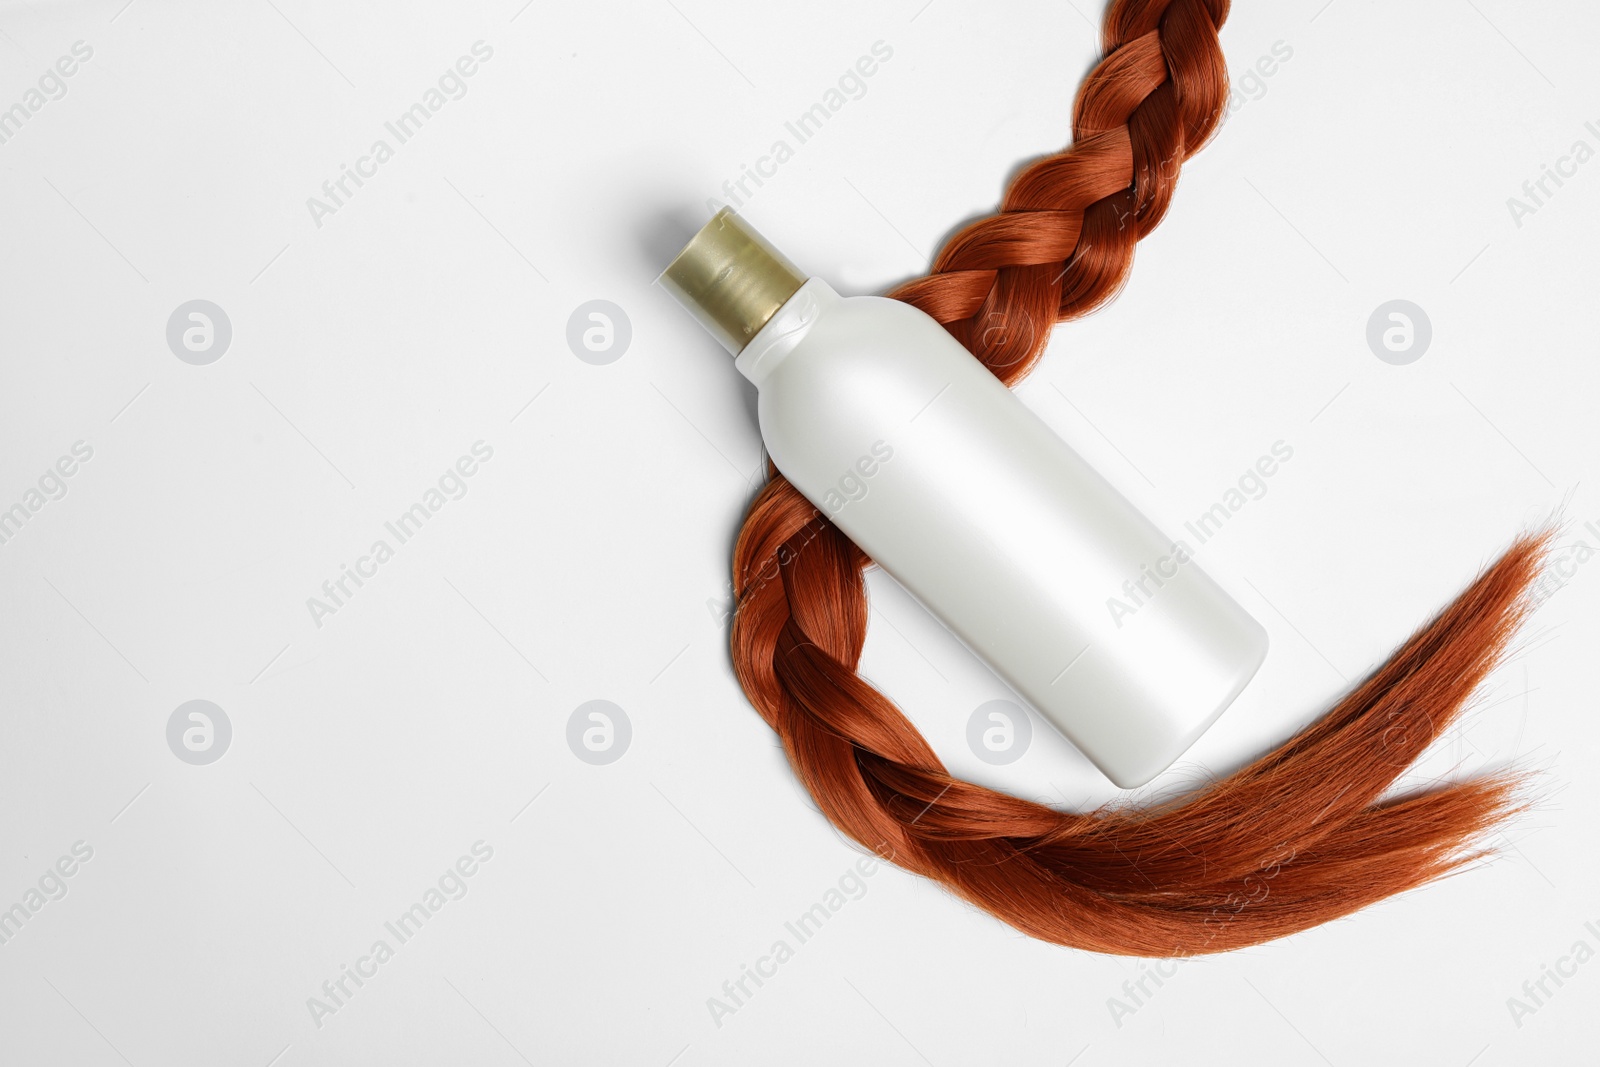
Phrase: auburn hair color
(1307,833)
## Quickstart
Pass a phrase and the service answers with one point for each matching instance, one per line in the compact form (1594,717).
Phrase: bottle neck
(782,334)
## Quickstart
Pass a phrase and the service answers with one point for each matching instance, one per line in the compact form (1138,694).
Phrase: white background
(368,353)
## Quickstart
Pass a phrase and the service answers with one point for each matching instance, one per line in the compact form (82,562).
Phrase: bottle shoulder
(866,369)
(818,331)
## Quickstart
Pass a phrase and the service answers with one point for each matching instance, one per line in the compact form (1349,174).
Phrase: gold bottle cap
(731,279)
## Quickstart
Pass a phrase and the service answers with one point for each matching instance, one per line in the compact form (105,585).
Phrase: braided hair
(1305,834)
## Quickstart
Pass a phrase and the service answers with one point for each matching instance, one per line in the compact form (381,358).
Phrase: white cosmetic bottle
(966,498)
